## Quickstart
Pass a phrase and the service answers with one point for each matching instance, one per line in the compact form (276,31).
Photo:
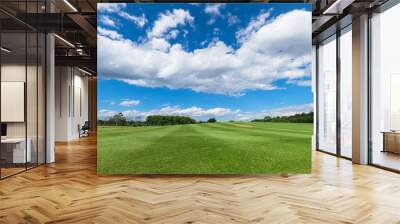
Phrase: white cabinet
(19,155)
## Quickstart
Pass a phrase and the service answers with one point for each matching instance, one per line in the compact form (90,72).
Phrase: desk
(391,141)
(19,155)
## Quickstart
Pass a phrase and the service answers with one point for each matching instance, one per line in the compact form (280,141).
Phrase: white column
(50,99)
(360,90)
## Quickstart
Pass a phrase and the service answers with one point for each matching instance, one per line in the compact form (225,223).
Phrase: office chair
(84,130)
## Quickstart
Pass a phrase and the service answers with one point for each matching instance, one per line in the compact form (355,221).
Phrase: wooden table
(391,141)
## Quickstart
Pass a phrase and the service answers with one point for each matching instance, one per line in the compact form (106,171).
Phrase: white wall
(62,82)
(71,87)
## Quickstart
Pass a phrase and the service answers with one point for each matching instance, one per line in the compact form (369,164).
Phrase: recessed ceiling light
(64,40)
(5,50)
(70,5)
(84,71)
(337,7)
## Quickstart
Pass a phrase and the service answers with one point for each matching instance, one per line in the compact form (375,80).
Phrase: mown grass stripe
(220,148)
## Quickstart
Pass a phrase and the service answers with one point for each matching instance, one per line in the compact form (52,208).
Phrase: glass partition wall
(385,89)
(345,108)
(22,77)
(334,105)
(334,84)
(327,95)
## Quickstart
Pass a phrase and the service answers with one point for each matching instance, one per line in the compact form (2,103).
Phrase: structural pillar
(50,92)
(360,89)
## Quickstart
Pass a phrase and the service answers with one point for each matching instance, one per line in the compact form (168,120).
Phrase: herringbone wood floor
(69,191)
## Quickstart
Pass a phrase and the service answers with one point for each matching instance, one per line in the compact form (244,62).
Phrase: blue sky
(229,61)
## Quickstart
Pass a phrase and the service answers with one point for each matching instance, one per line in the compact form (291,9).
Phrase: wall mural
(204,88)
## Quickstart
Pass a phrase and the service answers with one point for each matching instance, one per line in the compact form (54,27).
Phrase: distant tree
(296,118)
(168,120)
(100,122)
(267,118)
(152,120)
(118,120)
(212,120)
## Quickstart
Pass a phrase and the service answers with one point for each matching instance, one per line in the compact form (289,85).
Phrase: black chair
(84,130)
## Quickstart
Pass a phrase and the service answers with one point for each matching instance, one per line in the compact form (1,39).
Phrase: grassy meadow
(208,148)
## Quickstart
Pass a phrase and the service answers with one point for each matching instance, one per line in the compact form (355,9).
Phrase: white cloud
(140,21)
(215,32)
(301,82)
(119,8)
(169,20)
(232,19)
(111,34)
(254,25)
(279,49)
(195,111)
(281,111)
(214,8)
(203,43)
(110,7)
(129,103)
(198,113)
(211,21)
(106,20)
(172,34)
(105,114)
(159,44)
(289,110)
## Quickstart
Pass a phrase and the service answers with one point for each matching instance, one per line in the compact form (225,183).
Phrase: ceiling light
(64,40)
(84,71)
(5,50)
(337,7)
(70,5)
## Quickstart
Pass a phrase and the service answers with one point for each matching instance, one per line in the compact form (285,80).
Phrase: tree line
(161,120)
(152,120)
(296,118)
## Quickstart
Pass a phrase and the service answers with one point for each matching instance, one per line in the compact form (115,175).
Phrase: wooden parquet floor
(69,191)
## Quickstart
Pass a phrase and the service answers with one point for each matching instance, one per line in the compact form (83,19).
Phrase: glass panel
(41,99)
(31,98)
(327,96)
(23,90)
(385,83)
(13,86)
(32,88)
(346,92)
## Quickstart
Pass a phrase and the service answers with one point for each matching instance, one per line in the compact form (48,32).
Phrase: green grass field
(210,148)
